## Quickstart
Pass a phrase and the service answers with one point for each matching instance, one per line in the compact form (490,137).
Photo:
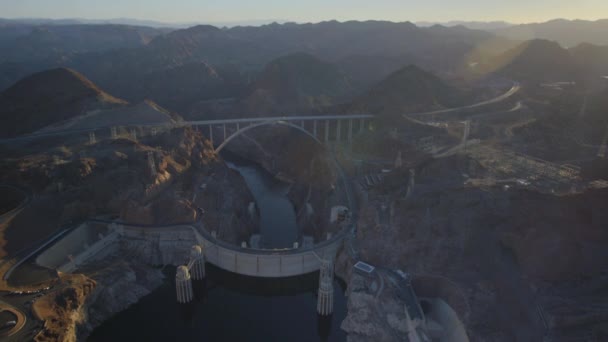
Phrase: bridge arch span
(265,123)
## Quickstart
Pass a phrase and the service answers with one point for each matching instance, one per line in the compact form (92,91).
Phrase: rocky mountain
(535,61)
(298,82)
(50,97)
(366,70)
(409,89)
(567,32)
(593,58)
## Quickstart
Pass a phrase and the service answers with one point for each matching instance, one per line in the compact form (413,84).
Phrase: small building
(364,269)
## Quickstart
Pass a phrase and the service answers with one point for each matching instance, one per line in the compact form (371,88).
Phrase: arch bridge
(323,129)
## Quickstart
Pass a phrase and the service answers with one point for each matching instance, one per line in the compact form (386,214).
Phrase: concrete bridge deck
(197,123)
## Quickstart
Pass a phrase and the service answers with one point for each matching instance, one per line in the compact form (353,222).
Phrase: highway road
(20,319)
(514,90)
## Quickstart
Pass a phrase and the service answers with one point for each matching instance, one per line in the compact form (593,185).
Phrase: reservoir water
(233,307)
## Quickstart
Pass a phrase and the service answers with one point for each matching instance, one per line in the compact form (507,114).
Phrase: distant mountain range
(288,67)
(153,58)
(568,33)
(474,25)
(138,22)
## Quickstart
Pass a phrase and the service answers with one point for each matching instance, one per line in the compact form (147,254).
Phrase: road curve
(514,90)
(21,320)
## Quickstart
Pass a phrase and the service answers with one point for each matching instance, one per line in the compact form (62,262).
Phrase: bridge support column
(338,131)
(211,134)
(153,131)
(197,258)
(134,134)
(325,300)
(411,183)
(327,131)
(361,125)
(113,133)
(601,152)
(224,133)
(92,139)
(183,285)
(152,164)
(314,128)
(238,126)
(350,130)
(467,131)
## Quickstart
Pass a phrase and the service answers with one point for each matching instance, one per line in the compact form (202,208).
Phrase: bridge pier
(350,131)
(211,134)
(92,139)
(325,300)
(113,133)
(134,134)
(465,134)
(361,125)
(411,183)
(338,131)
(183,285)
(327,131)
(224,133)
(314,128)
(197,260)
(152,164)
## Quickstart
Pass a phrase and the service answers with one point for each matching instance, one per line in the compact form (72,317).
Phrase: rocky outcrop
(375,312)
(120,284)
(63,310)
(477,247)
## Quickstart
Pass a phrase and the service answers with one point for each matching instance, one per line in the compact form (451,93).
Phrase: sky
(176,11)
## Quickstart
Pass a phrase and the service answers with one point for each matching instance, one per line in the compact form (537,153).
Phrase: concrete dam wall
(171,246)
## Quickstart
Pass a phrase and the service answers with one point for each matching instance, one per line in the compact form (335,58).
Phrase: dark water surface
(233,308)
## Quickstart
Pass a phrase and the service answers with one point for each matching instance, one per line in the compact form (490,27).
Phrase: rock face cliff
(114,178)
(152,180)
(120,284)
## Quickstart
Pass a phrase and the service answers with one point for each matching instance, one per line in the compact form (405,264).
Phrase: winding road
(514,90)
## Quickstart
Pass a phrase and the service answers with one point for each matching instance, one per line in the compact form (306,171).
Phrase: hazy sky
(307,10)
